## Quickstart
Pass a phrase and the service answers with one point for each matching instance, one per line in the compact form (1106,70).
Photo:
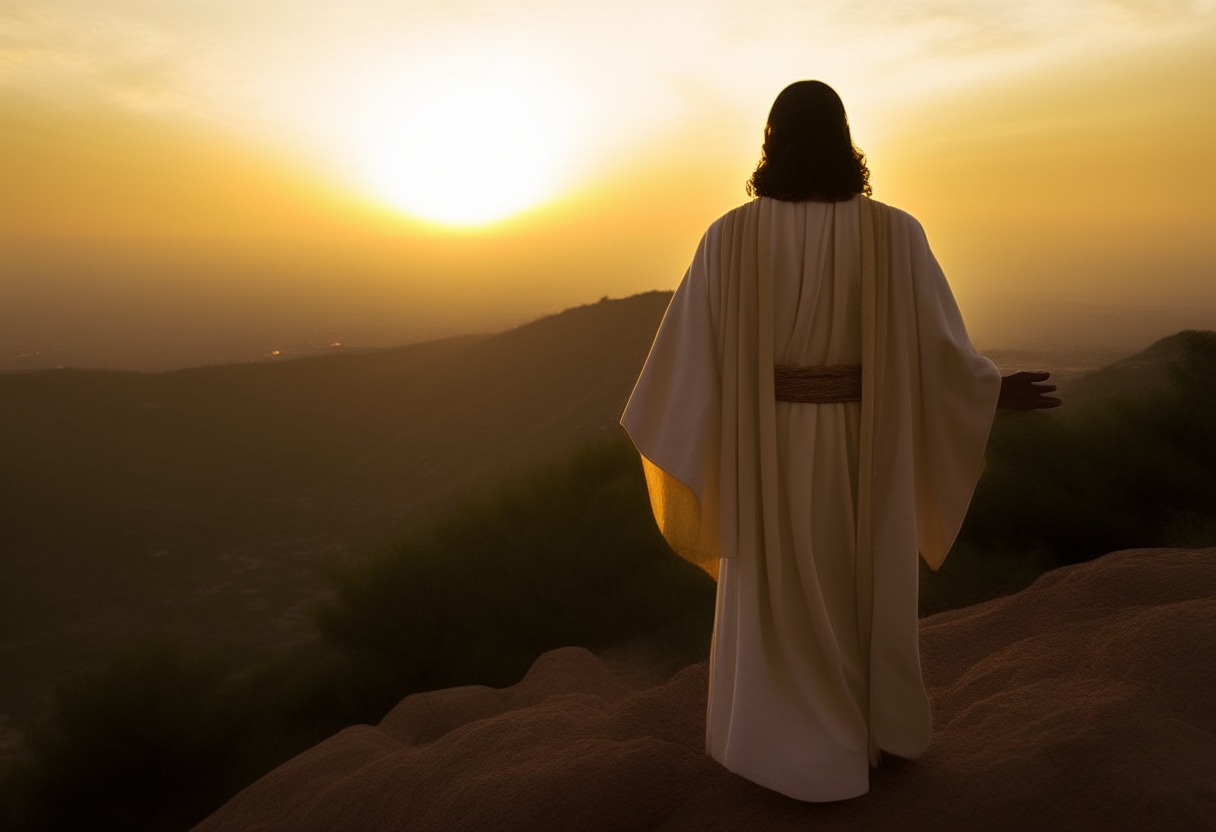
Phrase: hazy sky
(249,172)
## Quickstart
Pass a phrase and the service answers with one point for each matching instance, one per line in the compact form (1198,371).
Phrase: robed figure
(812,417)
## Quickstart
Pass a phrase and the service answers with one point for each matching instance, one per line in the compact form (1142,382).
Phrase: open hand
(1023,391)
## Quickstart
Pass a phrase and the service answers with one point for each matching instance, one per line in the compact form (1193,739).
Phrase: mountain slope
(214,500)
(1142,372)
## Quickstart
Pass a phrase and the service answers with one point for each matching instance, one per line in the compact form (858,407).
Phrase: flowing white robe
(797,702)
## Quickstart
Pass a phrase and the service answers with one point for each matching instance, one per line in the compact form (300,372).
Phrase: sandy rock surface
(1087,701)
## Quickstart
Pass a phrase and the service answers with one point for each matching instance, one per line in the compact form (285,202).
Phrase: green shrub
(567,556)
(147,742)
(1063,488)
(161,736)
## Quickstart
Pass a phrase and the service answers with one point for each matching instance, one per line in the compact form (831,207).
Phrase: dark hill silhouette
(1139,373)
(213,500)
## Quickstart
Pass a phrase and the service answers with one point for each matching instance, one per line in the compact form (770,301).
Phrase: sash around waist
(818,385)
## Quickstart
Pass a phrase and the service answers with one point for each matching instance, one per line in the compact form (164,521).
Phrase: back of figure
(787,682)
(815,660)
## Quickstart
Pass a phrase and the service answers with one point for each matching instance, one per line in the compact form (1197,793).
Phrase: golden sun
(465,150)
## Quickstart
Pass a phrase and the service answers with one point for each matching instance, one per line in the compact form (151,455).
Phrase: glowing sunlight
(465,149)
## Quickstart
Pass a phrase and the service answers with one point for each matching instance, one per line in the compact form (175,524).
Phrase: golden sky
(422,167)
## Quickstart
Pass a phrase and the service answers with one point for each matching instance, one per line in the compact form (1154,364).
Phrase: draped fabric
(811,515)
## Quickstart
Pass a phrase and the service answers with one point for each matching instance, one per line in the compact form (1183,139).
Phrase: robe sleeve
(673,417)
(958,392)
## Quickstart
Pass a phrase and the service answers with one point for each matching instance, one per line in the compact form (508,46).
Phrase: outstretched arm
(1024,391)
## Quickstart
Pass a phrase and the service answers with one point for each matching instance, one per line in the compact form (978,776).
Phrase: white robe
(795,703)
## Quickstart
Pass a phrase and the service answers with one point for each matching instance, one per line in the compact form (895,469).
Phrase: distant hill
(214,500)
(1139,373)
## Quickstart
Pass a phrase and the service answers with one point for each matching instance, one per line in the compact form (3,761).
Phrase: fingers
(1024,390)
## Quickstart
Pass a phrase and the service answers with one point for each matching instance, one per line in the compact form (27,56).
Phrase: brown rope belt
(818,385)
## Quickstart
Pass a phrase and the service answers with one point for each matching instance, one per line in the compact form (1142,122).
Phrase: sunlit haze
(188,182)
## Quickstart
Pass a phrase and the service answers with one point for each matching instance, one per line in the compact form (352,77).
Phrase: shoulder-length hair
(808,151)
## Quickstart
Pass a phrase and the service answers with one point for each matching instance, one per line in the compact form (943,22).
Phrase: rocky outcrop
(1083,702)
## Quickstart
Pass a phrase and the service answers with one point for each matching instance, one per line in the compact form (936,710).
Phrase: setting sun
(463,148)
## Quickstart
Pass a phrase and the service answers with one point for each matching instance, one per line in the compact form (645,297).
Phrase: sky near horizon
(415,168)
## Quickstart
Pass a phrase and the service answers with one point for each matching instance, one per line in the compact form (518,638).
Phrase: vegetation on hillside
(567,556)
(1137,470)
(144,743)
(571,556)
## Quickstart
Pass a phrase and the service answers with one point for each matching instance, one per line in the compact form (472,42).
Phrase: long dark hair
(808,150)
